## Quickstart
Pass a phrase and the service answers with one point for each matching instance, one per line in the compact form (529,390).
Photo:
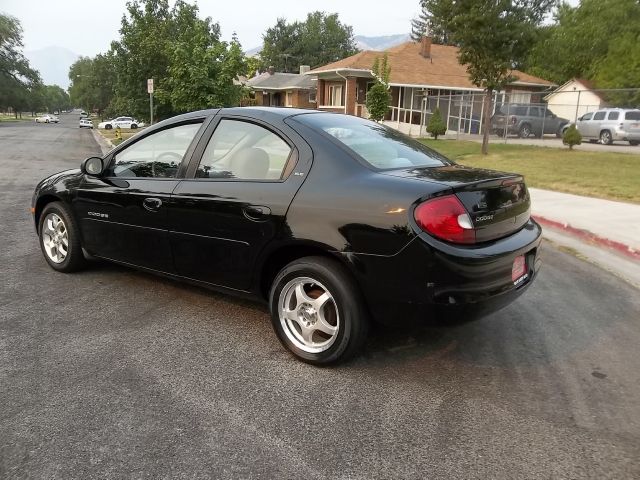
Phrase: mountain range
(363,42)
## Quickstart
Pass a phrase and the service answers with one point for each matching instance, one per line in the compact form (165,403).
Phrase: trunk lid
(498,202)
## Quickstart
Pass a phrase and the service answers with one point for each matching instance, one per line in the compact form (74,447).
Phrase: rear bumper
(430,279)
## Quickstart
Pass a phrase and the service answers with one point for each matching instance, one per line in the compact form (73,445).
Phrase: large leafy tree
(190,66)
(620,69)
(492,37)
(322,38)
(17,78)
(581,38)
(424,25)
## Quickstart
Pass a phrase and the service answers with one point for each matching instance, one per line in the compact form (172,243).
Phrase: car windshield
(379,146)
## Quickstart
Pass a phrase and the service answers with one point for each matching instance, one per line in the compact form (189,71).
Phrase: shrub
(436,124)
(572,137)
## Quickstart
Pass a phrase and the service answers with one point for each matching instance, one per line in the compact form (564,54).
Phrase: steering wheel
(166,157)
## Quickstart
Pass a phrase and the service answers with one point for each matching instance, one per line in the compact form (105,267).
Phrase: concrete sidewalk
(614,225)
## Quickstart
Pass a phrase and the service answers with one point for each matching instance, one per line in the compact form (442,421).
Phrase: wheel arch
(278,258)
(41,203)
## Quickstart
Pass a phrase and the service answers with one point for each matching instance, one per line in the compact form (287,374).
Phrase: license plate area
(519,270)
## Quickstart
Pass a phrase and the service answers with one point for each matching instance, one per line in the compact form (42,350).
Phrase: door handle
(256,212)
(152,204)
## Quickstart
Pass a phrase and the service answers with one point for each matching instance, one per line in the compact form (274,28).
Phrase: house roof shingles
(408,67)
(281,81)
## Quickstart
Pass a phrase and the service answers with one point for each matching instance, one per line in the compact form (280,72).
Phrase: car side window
(157,156)
(613,115)
(533,111)
(586,116)
(244,150)
(521,111)
(599,115)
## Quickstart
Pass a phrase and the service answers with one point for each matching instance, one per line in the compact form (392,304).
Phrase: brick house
(278,89)
(423,76)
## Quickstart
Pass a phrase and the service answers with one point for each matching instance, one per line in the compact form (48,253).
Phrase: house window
(312,95)
(520,97)
(335,95)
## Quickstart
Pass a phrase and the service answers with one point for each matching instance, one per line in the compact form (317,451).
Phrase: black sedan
(331,219)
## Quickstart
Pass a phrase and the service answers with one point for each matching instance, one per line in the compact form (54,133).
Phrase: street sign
(150,85)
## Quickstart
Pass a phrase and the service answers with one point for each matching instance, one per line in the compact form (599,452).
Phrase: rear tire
(605,137)
(60,239)
(525,131)
(133,126)
(634,143)
(108,126)
(317,311)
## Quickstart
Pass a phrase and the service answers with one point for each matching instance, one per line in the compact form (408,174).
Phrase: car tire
(605,137)
(317,311)
(634,143)
(108,126)
(133,126)
(55,228)
(525,131)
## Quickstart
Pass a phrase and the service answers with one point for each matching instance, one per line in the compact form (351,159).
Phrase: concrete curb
(104,144)
(590,237)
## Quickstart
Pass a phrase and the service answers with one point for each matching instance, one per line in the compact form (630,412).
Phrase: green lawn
(11,118)
(614,176)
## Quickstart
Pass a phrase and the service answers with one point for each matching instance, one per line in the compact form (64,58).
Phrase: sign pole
(150,91)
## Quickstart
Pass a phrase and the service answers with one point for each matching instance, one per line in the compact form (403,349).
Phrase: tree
(17,77)
(378,96)
(582,37)
(191,67)
(319,40)
(572,136)
(492,37)
(621,69)
(423,25)
(436,124)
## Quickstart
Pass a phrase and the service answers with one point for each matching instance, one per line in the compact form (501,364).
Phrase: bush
(378,99)
(436,124)
(572,137)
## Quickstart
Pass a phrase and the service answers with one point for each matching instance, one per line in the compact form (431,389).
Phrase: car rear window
(632,115)
(379,146)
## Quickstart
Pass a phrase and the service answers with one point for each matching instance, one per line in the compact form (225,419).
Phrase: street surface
(112,373)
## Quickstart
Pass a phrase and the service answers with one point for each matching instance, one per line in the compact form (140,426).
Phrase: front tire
(133,126)
(317,311)
(60,239)
(108,127)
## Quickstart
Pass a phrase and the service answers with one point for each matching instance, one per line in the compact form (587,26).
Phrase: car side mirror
(92,166)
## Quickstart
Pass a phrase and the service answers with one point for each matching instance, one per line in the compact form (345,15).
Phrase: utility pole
(150,90)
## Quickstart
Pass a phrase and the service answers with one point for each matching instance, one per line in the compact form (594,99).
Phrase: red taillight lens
(445,218)
(514,120)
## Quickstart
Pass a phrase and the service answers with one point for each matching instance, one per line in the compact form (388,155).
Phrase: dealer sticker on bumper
(519,270)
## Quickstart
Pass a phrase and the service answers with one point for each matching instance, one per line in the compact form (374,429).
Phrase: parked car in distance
(524,120)
(611,124)
(47,118)
(122,122)
(331,219)
(85,123)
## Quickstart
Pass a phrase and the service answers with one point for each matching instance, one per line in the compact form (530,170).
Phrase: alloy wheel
(308,314)
(605,138)
(55,238)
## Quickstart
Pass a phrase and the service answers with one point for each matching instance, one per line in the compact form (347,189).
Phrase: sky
(87,27)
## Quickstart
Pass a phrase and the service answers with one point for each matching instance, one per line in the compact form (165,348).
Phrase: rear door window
(613,115)
(534,112)
(599,115)
(521,111)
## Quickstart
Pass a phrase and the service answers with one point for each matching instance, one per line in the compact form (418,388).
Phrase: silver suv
(611,124)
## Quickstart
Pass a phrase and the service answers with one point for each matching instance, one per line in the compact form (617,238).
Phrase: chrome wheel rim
(55,238)
(605,137)
(308,315)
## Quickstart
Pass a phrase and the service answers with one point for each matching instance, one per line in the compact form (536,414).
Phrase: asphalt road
(112,373)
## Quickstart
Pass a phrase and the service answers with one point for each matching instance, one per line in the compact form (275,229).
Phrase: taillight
(514,120)
(445,218)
